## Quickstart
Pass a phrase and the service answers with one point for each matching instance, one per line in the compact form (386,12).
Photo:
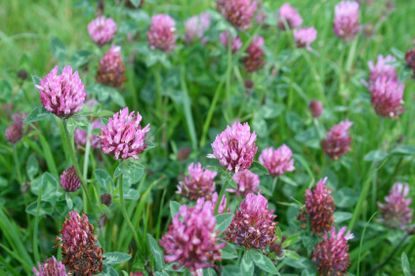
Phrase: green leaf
(131,170)
(103,178)
(223,221)
(340,217)
(263,262)
(48,186)
(247,266)
(209,272)
(45,208)
(135,3)
(376,155)
(108,271)
(112,258)
(32,166)
(3,182)
(174,208)
(69,202)
(231,270)
(404,150)
(406,269)
(37,114)
(229,252)
(156,252)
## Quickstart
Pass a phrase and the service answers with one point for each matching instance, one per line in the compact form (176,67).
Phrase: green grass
(187,101)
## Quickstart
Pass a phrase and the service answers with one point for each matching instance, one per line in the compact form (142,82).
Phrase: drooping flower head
(346,19)
(123,136)
(50,267)
(320,207)
(80,135)
(226,38)
(254,58)
(277,161)
(200,183)
(288,17)
(111,69)
(396,211)
(81,254)
(304,37)
(235,147)
(69,180)
(191,240)
(15,131)
(338,141)
(102,30)
(387,97)
(196,26)
(238,12)
(62,94)
(247,182)
(383,68)
(316,108)
(162,33)
(253,225)
(331,255)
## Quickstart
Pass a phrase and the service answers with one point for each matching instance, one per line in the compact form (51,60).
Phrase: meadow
(207,137)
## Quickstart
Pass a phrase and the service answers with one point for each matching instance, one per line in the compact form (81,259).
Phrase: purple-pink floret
(62,94)
(253,225)
(80,135)
(50,267)
(382,68)
(254,58)
(396,211)
(277,161)
(346,19)
(196,26)
(235,147)
(320,207)
(69,180)
(191,240)
(304,37)
(338,141)
(199,183)
(102,30)
(386,90)
(246,182)
(162,33)
(123,136)
(316,108)
(387,97)
(288,17)
(14,132)
(331,255)
(238,12)
(80,252)
(226,38)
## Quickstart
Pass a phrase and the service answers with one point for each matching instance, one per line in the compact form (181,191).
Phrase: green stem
(188,109)
(17,164)
(274,187)
(68,142)
(209,116)
(124,211)
(36,229)
(352,54)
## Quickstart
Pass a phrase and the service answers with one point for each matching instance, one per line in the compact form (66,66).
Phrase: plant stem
(36,229)
(124,211)
(188,109)
(274,187)
(17,164)
(72,155)
(212,108)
